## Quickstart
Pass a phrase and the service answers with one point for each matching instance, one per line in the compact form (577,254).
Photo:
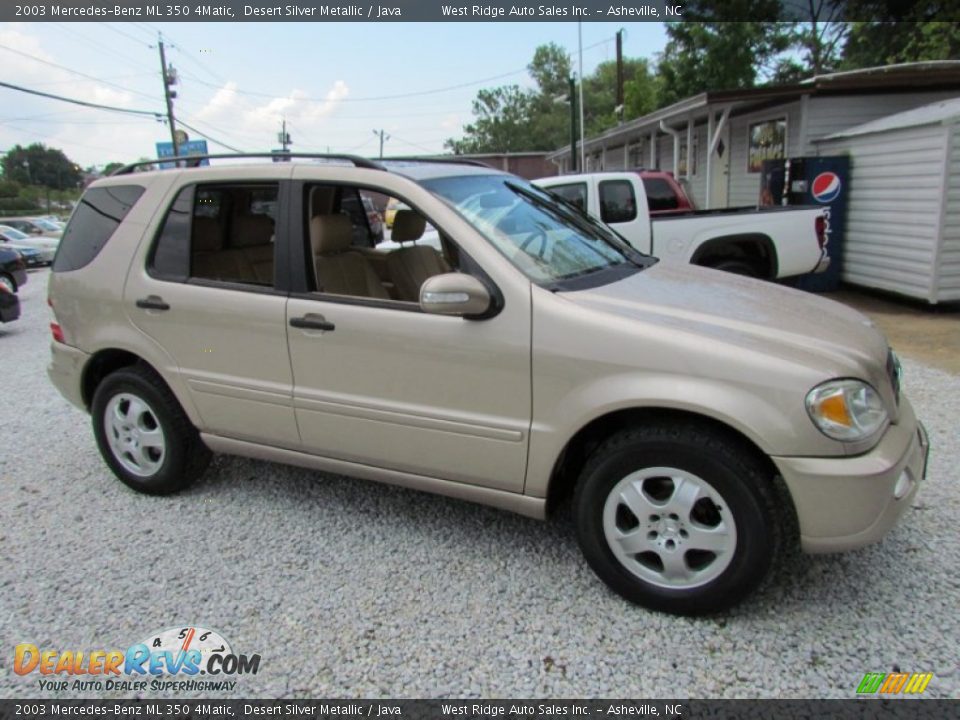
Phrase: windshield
(546,240)
(11,234)
(45,224)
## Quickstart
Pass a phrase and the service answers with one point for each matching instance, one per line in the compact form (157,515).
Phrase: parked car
(653,214)
(33,226)
(9,305)
(13,269)
(41,249)
(695,419)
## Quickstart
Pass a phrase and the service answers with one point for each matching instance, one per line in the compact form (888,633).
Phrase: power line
(84,103)
(400,96)
(74,72)
(208,137)
(108,26)
(413,144)
(99,47)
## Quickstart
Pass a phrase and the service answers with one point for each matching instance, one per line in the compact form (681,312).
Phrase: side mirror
(454,294)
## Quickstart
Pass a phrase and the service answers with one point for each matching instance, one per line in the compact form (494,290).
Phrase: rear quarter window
(97,217)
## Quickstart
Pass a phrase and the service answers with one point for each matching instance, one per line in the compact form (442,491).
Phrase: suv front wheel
(144,435)
(677,517)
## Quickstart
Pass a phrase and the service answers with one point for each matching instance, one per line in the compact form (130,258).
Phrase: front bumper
(66,371)
(844,503)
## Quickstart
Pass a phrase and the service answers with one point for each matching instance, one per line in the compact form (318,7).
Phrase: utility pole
(169,78)
(620,99)
(573,124)
(383,137)
(583,150)
(284,138)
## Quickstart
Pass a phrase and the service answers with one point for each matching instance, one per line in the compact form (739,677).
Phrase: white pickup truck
(651,211)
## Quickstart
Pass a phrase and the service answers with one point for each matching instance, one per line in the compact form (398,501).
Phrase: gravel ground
(349,588)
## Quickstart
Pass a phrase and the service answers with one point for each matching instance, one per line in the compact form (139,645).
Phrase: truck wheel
(143,434)
(737,267)
(676,518)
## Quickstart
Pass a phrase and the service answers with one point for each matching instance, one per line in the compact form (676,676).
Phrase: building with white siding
(731,131)
(903,208)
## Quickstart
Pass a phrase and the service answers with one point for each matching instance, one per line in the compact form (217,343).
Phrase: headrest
(206,234)
(330,234)
(250,230)
(407,225)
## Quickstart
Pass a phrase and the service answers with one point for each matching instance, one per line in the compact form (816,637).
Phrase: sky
(334,83)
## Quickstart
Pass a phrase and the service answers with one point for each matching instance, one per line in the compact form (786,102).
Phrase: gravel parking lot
(349,588)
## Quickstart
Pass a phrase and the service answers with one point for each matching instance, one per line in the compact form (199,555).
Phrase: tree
(512,119)
(502,122)
(39,165)
(712,50)
(111,166)
(901,32)
(600,93)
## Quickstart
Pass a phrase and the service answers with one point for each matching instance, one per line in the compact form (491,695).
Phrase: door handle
(152,302)
(312,322)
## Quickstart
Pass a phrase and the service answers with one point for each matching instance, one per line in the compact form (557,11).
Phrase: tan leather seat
(410,266)
(252,237)
(249,257)
(339,269)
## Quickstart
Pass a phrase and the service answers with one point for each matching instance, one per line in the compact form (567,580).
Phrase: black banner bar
(443,11)
(862,709)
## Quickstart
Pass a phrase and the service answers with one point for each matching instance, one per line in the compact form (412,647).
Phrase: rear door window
(660,194)
(222,233)
(618,204)
(98,215)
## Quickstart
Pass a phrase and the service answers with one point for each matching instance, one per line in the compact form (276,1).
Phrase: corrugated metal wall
(948,264)
(893,209)
(828,115)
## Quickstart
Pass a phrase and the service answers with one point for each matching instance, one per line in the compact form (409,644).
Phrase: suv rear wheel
(677,518)
(144,435)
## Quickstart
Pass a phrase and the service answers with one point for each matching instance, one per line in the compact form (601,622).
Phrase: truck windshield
(546,240)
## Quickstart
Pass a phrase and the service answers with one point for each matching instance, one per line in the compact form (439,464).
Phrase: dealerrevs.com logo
(184,658)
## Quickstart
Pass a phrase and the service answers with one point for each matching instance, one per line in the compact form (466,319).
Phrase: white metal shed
(903,210)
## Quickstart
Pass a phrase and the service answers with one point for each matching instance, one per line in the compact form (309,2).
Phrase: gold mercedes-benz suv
(506,349)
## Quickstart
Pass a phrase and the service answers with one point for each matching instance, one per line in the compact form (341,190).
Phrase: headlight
(846,409)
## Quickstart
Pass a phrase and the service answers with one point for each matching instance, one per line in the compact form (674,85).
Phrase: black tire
(738,267)
(739,478)
(9,282)
(184,458)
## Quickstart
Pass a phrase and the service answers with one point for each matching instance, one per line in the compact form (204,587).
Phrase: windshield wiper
(585,223)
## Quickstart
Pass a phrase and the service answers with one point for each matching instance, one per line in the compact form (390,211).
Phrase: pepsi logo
(826,187)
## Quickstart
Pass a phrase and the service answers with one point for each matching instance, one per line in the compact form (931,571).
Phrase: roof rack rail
(360,162)
(447,159)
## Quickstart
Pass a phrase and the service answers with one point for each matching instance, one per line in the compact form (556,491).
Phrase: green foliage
(711,50)
(640,90)
(111,166)
(37,164)
(9,189)
(512,119)
(901,32)
(18,206)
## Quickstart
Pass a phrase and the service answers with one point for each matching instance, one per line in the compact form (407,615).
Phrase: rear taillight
(55,328)
(820,225)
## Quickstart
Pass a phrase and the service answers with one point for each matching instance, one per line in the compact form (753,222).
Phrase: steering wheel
(538,233)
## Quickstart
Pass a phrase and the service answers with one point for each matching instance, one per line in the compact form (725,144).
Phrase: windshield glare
(543,239)
(12,234)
